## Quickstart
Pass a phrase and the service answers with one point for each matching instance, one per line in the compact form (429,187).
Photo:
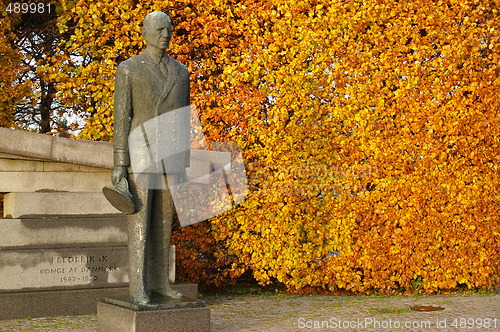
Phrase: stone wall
(63,246)
(62,239)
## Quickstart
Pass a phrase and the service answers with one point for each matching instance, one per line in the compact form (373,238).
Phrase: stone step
(67,302)
(36,204)
(63,232)
(53,181)
(13,163)
(73,151)
(113,318)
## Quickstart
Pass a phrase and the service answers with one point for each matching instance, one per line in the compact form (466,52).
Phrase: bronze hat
(120,197)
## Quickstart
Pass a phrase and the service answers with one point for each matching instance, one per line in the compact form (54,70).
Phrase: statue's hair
(148,20)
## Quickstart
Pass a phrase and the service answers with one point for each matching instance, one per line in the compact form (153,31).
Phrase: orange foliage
(11,91)
(370,130)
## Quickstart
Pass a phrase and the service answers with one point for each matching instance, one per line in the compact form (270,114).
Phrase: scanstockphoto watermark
(203,182)
(333,323)
(363,323)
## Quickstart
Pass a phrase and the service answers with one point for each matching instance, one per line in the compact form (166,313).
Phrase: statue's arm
(122,119)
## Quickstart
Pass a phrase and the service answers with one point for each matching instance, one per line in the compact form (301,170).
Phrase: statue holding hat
(150,86)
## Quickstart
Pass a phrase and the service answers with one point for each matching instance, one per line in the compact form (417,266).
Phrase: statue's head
(157,30)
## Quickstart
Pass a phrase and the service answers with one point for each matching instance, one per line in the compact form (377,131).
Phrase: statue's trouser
(149,231)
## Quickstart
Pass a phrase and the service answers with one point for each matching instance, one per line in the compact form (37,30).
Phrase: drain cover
(426,308)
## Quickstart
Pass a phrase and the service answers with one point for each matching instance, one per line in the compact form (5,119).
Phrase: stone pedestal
(63,246)
(163,315)
(45,303)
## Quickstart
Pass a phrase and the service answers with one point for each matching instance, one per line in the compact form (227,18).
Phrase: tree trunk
(46,98)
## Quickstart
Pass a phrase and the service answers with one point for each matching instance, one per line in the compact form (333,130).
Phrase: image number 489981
(23,7)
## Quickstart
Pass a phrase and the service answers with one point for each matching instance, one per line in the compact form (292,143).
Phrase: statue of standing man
(151,86)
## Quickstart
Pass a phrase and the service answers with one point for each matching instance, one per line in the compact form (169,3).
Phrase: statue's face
(158,33)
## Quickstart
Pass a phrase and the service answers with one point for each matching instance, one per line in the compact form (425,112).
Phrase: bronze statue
(148,86)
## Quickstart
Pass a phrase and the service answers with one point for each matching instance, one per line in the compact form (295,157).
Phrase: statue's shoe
(168,292)
(141,299)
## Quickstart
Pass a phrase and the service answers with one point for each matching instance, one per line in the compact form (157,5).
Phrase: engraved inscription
(63,268)
(73,259)
(77,274)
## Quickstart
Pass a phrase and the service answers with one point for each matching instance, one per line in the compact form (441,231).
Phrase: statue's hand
(118,174)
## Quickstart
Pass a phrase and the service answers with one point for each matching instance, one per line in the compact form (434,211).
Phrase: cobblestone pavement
(319,313)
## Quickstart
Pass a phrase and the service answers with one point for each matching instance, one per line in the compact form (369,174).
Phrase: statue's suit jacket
(147,103)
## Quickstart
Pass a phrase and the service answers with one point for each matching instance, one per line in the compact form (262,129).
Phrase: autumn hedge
(370,132)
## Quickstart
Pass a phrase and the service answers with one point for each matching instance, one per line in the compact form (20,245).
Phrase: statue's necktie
(163,66)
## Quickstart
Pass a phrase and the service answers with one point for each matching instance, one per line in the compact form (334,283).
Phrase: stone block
(67,268)
(25,143)
(11,182)
(90,153)
(97,154)
(31,205)
(113,318)
(63,232)
(77,268)
(13,163)
(16,305)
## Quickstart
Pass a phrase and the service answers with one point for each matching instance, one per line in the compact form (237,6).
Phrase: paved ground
(319,313)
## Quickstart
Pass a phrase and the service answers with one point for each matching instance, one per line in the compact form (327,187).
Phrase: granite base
(14,305)
(162,315)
